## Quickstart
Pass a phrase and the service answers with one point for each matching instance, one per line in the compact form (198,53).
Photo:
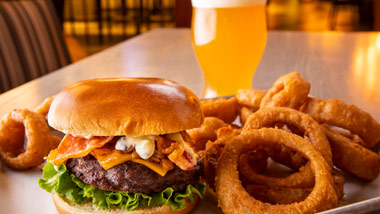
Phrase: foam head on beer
(225,3)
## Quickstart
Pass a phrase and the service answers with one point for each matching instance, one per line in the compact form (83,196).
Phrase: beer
(229,38)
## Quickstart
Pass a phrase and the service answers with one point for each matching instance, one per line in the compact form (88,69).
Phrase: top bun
(128,106)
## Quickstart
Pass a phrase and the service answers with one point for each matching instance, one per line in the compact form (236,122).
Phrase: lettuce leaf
(57,180)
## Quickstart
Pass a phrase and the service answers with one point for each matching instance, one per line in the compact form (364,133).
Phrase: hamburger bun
(128,106)
(67,207)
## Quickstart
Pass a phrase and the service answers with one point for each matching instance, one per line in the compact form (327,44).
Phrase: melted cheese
(73,147)
(109,158)
(152,165)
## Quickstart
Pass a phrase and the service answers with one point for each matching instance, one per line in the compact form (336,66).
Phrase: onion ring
(289,90)
(37,132)
(207,132)
(244,114)
(253,161)
(267,117)
(213,151)
(277,195)
(287,157)
(335,112)
(250,97)
(339,181)
(224,109)
(351,157)
(44,107)
(288,195)
(353,137)
(233,198)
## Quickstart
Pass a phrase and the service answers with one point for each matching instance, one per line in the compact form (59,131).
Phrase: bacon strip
(75,147)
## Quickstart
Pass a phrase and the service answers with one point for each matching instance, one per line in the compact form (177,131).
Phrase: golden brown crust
(250,97)
(352,157)
(222,108)
(337,113)
(21,123)
(244,114)
(129,106)
(66,207)
(201,135)
(289,90)
(43,108)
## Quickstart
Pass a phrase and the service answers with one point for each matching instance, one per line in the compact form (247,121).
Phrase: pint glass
(229,38)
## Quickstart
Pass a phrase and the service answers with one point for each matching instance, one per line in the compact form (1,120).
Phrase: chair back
(31,42)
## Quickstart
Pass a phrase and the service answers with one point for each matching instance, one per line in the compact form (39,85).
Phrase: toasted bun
(66,207)
(129,106)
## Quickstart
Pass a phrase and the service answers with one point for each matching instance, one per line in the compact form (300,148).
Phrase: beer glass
(229,38)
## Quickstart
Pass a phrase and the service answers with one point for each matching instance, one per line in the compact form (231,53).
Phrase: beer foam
(225,3)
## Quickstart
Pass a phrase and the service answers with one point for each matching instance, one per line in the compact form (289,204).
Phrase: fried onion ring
(43,108)
(288,195)
(289,90)
(278,195)
(213,151)
(250,97)
(244,114)
(351,157)
(287,157)
(224,109)
(37,132)
(268,117)
(335,112)
(233,198)
(254,161)
(207,132)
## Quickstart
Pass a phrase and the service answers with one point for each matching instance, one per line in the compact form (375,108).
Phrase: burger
(125,148)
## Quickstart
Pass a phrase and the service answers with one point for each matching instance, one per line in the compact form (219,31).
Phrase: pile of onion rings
(267,117)
(24,126)
(342,134)
(228,185)
(330,113)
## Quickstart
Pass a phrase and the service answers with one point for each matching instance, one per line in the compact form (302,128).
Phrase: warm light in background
(365,64)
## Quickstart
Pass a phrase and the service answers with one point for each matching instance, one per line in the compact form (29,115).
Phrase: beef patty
(131,177)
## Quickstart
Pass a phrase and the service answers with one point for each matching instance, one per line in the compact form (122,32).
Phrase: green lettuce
(57,180)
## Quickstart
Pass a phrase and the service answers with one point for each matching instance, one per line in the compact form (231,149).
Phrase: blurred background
(98,24)
(34,44)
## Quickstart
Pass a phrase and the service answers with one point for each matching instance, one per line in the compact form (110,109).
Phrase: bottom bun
(65,206)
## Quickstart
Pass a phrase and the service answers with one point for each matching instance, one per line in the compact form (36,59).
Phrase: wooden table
(342,65)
